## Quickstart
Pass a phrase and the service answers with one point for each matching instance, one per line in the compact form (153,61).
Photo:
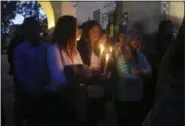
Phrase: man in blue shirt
(30,71)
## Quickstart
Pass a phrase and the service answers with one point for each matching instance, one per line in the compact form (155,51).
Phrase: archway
(48,9)
(177,11)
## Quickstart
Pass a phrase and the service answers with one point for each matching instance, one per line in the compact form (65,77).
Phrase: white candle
(106,63)
(101,53)
(110,49)
(101,49)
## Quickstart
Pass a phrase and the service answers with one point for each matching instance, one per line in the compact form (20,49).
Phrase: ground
(7,91)
(8,97)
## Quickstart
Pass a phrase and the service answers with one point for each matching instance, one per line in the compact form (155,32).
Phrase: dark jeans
(95,110)
(149,86)
(28,106)
(59,111)
(2,115)
(129,113)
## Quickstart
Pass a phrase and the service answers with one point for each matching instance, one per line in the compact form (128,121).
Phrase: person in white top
(88,46)
(61,53)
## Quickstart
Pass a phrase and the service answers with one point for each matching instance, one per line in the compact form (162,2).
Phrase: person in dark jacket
(168,109)
(164,38)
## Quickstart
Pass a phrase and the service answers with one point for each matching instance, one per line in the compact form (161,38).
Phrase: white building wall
(85,10)
(83,15)
(176,12)
(68,9)
(146,14)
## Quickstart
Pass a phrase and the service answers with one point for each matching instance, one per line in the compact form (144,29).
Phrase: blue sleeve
(146,66)
(55,66)
(19,66)
(123,69)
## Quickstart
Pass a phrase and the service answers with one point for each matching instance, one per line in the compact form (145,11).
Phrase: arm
(123,69)
(55,66)
(147,68)
(19,67)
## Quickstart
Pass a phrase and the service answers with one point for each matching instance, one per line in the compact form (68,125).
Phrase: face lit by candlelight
(134,43)
(94,33)
(103,39)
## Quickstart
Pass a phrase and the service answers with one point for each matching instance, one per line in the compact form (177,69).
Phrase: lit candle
(101,53)
(110,49)
(106,63)
(101,49)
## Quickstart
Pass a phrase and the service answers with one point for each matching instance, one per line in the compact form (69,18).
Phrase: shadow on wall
(148,38)
(147,31)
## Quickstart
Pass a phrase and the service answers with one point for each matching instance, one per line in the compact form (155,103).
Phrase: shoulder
(45,43)
(52,48)
(22,47)
(141,55)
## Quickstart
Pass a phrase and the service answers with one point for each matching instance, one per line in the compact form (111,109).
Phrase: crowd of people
(62,81)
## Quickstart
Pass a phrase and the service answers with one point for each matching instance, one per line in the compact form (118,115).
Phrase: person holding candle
(64,92)
(89,48)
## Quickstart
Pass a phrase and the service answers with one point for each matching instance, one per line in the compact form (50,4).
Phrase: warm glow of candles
(101,49)
(107,57)
(110,49)
(101,53)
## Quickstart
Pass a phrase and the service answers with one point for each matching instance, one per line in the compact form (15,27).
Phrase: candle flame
(110,49)
(101,49)
(107,57)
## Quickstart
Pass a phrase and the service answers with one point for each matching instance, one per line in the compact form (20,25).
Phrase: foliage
(24,8)
(8,12)
(30,8)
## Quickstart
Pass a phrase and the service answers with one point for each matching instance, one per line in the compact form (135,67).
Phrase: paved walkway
(8,98)
(7,91)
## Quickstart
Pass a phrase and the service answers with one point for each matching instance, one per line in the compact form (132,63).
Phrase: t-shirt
(56,66)
(95,91)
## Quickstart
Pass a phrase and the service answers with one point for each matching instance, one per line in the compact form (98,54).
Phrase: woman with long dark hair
(61,53)
(88,47)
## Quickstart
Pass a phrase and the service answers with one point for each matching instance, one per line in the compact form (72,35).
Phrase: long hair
(87,26)
(133,50)
(65,34)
